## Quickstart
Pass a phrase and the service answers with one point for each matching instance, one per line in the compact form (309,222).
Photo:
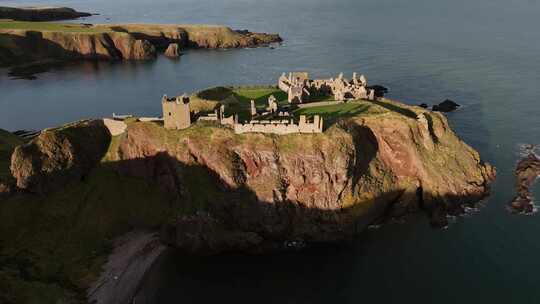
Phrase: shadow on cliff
(30,55)
(197,189)
(394,108)
(159,41)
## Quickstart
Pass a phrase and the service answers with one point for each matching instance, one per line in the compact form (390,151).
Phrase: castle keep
(176,112)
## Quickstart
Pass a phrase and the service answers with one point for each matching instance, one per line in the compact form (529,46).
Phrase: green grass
(49,26)
(332,113)
(259,95)
(62,239)
(215,93)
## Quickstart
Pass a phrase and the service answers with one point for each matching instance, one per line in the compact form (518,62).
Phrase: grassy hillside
(50,26)
(52,247)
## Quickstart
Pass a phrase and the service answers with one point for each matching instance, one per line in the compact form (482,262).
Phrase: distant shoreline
(41,13)
(24,44)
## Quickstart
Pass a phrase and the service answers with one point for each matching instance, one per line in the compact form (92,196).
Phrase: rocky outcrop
(446,106)
(28,46)
(8,142)
(527,172)
(59,156)
(309,188)
(212,37)
(173,50)
(45,13)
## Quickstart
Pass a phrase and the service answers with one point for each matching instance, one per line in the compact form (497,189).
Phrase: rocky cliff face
(245,192)
(27,46)
(117,42)
(308,188)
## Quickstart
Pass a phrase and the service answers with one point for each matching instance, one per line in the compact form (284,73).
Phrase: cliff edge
(29,42)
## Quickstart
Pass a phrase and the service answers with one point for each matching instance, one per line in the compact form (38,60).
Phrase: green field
(332,113)
(238,100)
(49,26)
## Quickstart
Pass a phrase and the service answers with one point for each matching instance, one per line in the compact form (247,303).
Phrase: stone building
(300,88)
(176,112)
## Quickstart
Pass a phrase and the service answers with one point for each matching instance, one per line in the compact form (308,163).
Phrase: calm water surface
(483,54)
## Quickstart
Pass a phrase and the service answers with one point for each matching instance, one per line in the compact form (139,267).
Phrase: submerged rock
(446,106)
(243,192)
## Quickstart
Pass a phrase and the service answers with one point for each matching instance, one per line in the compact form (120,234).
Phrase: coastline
(23,43)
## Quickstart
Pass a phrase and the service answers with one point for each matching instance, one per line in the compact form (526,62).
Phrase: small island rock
(446,106)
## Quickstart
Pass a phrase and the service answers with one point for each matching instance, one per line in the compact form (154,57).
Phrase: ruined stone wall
(281,127)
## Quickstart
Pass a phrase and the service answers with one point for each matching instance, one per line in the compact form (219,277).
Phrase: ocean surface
(484,54)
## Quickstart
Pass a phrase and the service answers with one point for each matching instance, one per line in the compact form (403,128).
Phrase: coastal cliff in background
(23,43)
(44,13)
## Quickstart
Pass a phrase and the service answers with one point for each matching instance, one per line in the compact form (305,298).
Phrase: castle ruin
(275,118)
(300,88)
(281,126)
(176,112)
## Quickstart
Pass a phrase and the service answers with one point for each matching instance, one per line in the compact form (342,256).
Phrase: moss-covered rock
(59,156)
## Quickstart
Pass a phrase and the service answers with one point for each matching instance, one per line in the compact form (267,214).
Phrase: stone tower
(176,112)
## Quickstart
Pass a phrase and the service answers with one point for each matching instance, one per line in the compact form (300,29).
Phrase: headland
(90,205)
